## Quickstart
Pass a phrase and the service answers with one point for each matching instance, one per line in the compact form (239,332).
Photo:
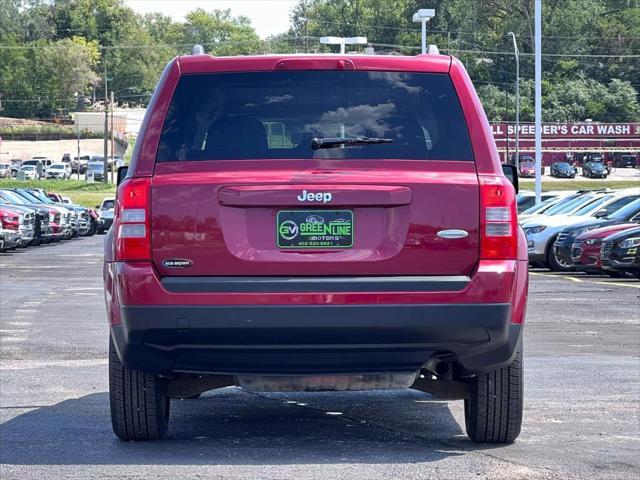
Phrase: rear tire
(91,231)
(493,412)
(139,407)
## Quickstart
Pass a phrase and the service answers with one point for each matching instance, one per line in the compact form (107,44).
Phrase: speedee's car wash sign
(560,130)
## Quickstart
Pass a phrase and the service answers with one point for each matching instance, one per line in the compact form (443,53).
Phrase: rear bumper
(313,339)
(370,325)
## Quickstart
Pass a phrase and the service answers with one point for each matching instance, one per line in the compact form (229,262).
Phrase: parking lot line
(573,279)
(579,280)
(619,284)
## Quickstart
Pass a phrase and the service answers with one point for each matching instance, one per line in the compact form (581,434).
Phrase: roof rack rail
(197,50)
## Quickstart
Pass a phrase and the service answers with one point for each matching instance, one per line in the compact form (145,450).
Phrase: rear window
(255,115)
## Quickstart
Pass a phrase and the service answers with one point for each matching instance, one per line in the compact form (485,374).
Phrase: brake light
(10,222)
(133,235)
(499,221)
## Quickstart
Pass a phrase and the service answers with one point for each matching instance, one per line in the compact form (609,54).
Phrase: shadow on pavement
(230,426)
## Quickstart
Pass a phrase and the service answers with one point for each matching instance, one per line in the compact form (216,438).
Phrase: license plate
(307,229)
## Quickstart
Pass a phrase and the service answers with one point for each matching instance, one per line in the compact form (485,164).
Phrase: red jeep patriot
(316,222)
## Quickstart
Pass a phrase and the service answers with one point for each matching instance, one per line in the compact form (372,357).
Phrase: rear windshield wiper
(333,142)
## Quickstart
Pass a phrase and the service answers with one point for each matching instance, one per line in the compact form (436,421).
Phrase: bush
(44,132)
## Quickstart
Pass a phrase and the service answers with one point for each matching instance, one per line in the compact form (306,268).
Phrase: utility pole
(306,21)
(538,97)
(517,54)
(112,138)
(105,163)
(78,157)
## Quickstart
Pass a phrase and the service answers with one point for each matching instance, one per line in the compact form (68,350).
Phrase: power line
(252,42)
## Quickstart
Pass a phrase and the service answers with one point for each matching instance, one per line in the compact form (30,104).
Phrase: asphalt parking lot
(582,409)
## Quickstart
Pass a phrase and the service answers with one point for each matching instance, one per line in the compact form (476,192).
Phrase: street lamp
(423,16)
(342,41)
(538,95)
(517,54)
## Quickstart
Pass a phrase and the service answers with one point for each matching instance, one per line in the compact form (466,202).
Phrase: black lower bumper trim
(314,284)
(321,339)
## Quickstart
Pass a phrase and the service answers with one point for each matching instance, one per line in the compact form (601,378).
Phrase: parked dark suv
(316,223)
(625,160)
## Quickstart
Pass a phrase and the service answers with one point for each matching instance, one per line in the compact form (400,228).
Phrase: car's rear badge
(176,263)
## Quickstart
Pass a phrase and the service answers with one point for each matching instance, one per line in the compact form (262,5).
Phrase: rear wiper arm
(332,142)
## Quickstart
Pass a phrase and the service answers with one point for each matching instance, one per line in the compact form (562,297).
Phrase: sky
(268,17)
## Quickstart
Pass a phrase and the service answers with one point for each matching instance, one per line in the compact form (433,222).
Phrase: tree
(48,77)
(221,33)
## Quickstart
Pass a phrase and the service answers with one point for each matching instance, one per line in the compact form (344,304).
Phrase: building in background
(125,121)
(568,141)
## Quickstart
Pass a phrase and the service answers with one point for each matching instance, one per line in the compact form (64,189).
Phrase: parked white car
(59,170)
(30,172)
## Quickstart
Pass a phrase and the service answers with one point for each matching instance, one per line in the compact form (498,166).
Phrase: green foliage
(594,184)
(565,101)
(220,33)
(62,48)
(79,191)
(58,185)
(48,130)
(576,87)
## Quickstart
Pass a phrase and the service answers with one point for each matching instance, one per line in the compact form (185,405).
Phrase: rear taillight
(10,222)
(131,222)
(499,221)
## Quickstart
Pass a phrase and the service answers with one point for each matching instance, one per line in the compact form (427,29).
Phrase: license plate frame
(315,229)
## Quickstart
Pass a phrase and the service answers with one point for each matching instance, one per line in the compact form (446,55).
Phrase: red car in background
(585,252)
(527,169)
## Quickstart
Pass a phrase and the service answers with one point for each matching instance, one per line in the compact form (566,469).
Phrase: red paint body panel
(139,284)
(208,63)
(393,239)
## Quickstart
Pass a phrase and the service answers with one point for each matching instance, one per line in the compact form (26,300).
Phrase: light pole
(105,162)
(78,133)
(538,97)
(342,41)
(517,53)
(423,16)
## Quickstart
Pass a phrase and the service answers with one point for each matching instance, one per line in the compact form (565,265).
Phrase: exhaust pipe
(437,366)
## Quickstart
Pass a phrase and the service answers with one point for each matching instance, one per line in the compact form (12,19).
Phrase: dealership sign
(587,129)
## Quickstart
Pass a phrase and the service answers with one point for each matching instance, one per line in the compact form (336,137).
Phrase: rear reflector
(132,231)
(131,215)
(499,222)
(131,222)
(497,214)
(498,229)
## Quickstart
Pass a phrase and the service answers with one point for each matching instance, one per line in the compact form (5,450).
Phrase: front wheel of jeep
(139,407)
(493,411)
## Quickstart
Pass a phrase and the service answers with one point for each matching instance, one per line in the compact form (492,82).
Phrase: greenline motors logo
(289,230)
(316,229)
